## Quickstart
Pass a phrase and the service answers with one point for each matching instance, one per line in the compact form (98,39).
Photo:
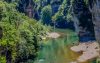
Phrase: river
(58,50)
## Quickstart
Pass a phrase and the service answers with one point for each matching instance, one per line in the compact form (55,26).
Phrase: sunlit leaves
(2,59)
(19,32)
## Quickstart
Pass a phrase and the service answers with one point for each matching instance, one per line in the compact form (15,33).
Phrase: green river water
(58,50)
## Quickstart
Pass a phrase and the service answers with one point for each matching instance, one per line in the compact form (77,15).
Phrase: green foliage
(59,14)
(70,10)
(86,1)
(57,17)
(2,59)
(64,11)
(46,14)
(98,60)
(20,33)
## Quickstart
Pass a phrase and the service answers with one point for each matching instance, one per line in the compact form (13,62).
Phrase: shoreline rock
(89,51)
(53,35)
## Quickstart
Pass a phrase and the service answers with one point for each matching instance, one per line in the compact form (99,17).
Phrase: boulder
(90,50)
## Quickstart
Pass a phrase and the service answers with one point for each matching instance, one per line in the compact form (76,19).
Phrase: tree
(46,14)
(21,35)
(95,10)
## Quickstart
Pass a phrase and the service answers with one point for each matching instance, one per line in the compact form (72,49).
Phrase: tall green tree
(21,35)
(46,15)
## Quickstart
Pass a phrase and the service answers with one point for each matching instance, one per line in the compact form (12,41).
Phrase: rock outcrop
(89,51)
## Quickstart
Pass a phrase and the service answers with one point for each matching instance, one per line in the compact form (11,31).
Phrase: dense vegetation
(21,34)
(22,24)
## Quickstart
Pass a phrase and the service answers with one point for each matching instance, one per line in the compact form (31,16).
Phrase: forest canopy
(20,35)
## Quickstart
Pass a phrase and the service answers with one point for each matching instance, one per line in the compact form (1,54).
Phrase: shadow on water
(57,51)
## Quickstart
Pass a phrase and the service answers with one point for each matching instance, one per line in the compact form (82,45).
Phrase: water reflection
(57,51)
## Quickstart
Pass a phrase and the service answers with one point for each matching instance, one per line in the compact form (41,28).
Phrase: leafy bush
(46,14)
(20,34)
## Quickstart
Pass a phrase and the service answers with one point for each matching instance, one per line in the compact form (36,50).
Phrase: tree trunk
(1,32)
(76,24)
(96,19)
(8,56)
